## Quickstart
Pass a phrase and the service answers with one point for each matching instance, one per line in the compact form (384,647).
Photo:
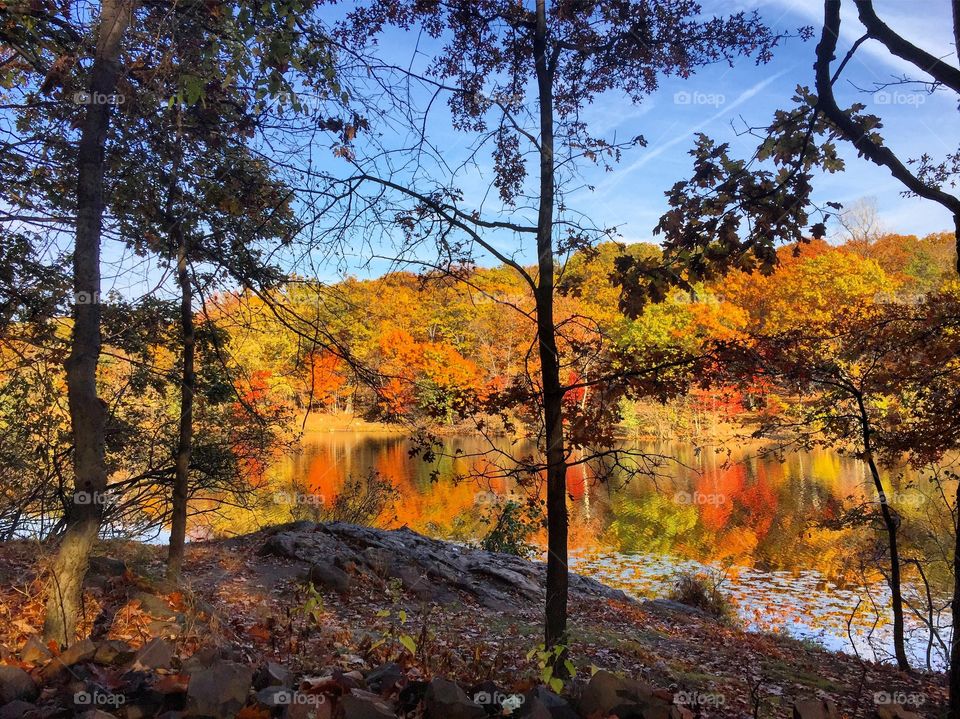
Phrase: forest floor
(262,597)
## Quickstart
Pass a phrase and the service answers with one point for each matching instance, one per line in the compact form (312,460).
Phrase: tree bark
(555,627)
(87,412)
(178,524)
(890,522)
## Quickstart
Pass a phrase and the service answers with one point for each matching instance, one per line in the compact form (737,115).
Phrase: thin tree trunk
(87,412)
(178,524)
(555,629)
(890,522)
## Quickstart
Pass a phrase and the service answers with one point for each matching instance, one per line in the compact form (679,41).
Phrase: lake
(755,522)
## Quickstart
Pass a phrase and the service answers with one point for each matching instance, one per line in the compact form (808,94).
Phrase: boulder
(815,709)
(219,690)
(273,674)
(385,677)
(205,657)
(558,707)
(155,654)
(329,576)
(107,566)
(360,704)
(433,569)
(16,684)
(445,699)
(605,692)
(275,696)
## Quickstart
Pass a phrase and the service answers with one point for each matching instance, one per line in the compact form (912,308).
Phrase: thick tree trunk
(87,412)
(555,629)
(954,678)
(178,524)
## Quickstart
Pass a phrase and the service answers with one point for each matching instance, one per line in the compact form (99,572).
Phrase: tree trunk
(555,629)
(87,412)
(890,522)
(956,228)
(178,523)
(954,678)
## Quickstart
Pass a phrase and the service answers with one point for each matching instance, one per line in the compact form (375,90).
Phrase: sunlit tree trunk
(87,412)
(891,524)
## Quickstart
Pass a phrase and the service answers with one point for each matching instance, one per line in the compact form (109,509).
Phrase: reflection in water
(755,519)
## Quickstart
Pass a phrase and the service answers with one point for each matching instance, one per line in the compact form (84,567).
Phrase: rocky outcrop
(432,569)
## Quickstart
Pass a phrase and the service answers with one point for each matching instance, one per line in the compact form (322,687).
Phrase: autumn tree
(878,380)
(67,88)
(516,78)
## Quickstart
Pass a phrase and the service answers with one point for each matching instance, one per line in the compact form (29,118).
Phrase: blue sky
(721,101)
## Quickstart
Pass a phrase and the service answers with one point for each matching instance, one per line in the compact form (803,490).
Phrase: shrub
(701,590)
(513,525)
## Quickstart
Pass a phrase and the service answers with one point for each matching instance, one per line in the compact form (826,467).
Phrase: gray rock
(815,709)
(558,707)
(435,570)
(205,657)
(17,709)
(273,674)
(385,677)
(16,684)
(329,576)
(107,566)
(35,651)
(605,693)
(275,696)
(218,691)
(155,654)
(446,700)
(359,704)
